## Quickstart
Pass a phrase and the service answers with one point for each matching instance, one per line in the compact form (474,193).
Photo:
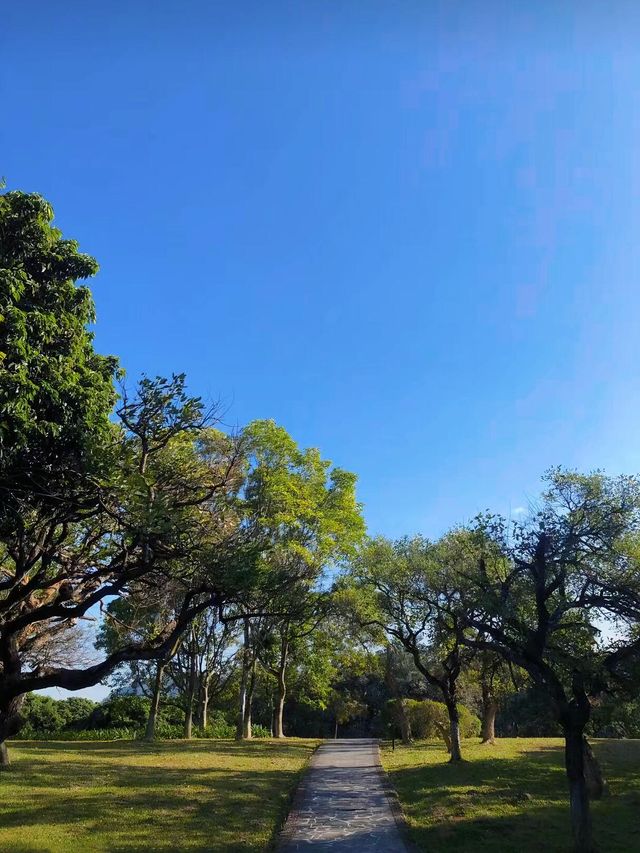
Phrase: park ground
(511,797)
(127,796)
(227,796)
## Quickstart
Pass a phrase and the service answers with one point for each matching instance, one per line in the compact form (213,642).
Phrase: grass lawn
(482,804)
(124,796)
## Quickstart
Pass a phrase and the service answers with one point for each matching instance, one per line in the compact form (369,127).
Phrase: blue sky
(406,231)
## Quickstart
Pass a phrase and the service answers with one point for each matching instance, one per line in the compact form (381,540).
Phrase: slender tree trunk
(244,683)
(247,732)
(454,731)
(150,732)
(282,687)
(279,720)
(204,710)
(4,755)
(188,717)
(335,730)
(578,793)
(489,711)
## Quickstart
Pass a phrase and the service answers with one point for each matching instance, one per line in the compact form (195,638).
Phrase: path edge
(285,834)
(395,806)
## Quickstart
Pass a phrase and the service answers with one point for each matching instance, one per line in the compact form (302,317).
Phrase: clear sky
(408,231)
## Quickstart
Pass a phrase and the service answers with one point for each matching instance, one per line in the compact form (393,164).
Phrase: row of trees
(203,555)
(139,512)
(554,598)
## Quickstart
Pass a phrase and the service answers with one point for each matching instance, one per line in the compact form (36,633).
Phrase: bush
(430,719)
(260,731)
(85,734)
(217,727)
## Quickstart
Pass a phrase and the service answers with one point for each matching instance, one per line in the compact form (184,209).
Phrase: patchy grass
(511,797)
(128,796)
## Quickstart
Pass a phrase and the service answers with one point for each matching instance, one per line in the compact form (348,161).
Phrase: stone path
(342,804)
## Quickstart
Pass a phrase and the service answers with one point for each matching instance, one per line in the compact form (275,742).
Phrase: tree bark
(204,710)
(405,723)
(489,711)
(10,719)
(244,683)
(191,692)
(578,793)
(454,729)
(150,731)
(446,737)
(282,687)
(247,732)
(596,784)
(282,692)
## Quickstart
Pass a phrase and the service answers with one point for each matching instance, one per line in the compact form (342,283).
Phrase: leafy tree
(537,594)
(300,516)
(396,588)
(146,526)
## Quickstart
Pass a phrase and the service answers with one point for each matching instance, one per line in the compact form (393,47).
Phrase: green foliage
(428,719)
(56,393)
(121,712)
(44,714)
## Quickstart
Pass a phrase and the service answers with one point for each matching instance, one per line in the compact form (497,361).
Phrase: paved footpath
(342,804)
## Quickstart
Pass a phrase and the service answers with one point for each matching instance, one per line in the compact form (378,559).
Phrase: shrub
(260,731)
(430,719)
(217,727)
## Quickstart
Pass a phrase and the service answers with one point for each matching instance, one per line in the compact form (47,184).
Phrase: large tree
(300,516)
(91,509)
(396,587)
(541,595)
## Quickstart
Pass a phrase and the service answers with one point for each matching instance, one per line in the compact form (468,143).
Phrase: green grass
(128,796)
(481,804)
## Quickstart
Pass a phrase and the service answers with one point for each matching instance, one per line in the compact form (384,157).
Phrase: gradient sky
(408,231)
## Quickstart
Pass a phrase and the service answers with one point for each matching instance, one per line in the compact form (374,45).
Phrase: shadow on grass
(98,797)
(515,804)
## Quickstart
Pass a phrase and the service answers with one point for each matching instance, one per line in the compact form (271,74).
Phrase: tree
(398,585)
(148,521)
(56,395)
(300,516)
(537,593)
(296,618)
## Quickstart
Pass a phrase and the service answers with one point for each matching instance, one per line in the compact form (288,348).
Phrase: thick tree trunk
(10,719)
(596,784)
(150,731)
(454,732)
(489,711)
(445,734)
(405,724)
(578,793)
